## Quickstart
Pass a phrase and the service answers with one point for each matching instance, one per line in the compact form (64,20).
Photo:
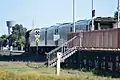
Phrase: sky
(46,13)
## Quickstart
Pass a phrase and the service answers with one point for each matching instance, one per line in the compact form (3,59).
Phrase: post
(118,15)
(80,42)
(11,49)
(62,50)
(92,16)
(58,63)
(81,36)
(92,23)
(37,48)
(48,57)
(74,15)
(99,28)
(37,36)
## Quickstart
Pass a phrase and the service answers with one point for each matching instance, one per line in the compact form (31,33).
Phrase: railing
(8,52)
(52,55)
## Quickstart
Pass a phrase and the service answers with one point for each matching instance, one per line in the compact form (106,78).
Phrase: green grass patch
(38,71)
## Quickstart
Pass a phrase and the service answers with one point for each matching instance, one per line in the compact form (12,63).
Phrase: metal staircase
(66,52)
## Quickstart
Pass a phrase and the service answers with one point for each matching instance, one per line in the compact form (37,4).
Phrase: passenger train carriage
(47,40)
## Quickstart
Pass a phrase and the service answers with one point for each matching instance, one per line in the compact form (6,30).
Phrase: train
(53,36)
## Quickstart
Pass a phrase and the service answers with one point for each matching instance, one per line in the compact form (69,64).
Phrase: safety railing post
(48,60)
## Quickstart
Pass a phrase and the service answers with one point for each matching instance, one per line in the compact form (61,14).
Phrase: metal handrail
(61,45)
(55,59)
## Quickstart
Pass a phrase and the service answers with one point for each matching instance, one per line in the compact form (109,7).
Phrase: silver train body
(47,39)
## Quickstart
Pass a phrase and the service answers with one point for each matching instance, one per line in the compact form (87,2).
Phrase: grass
(37,71)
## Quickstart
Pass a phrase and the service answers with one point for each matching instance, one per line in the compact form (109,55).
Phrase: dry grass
(36,71)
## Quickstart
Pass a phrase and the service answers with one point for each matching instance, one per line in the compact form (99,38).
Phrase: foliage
(18,35)
(3,40)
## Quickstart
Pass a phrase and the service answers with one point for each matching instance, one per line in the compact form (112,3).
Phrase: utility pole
(93,14)
(74,15)
(118,8)
(37,36)
(33,24)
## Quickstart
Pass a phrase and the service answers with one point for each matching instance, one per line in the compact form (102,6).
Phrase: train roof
(65,25)
(79,22)
(52,27)
(59,25)
(83,22)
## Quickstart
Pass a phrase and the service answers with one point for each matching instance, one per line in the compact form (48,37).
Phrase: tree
(18,35)
(3,40)
(116,15)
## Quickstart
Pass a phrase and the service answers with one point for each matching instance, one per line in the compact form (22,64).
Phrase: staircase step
(68,55)
(54,62)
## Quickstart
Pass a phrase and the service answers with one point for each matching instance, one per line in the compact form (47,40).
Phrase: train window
(45,37)
(70,29)
(87,28)
(56,31)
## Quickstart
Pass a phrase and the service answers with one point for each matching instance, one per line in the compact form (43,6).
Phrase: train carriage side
(63,31)
(50,34)
(47,42)
(81,26)
(32,40)
(66,28)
